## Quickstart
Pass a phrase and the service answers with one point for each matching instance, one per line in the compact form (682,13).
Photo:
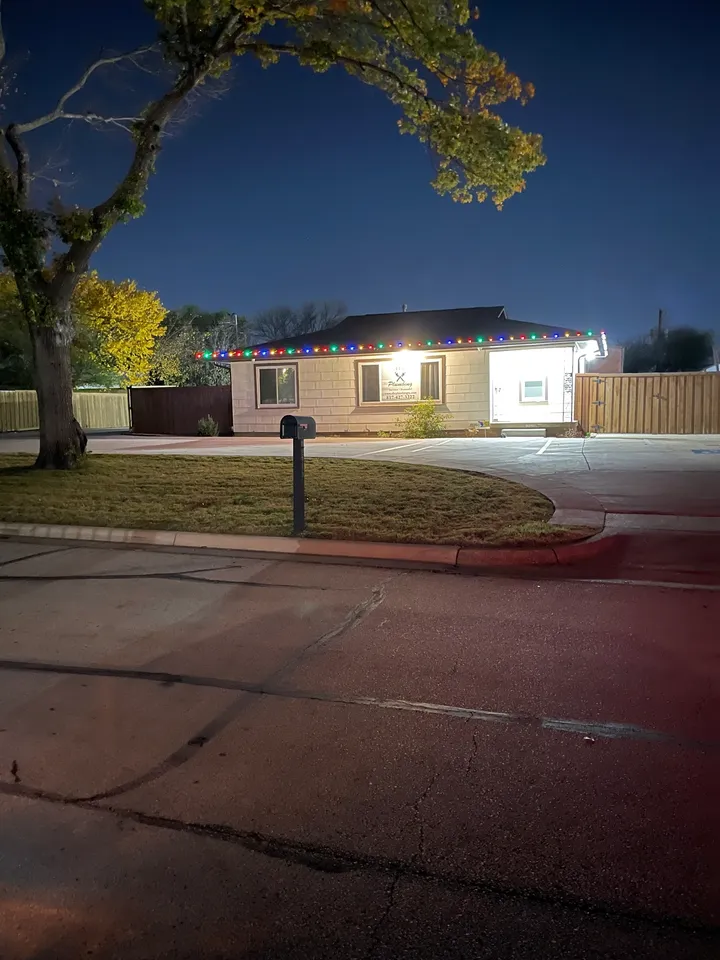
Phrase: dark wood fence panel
(176,410)
(648,402)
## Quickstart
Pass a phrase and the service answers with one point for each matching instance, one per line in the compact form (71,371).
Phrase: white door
(499,402)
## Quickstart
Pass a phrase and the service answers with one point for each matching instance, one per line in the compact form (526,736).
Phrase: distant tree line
(682,349)
(123,335)
(190,330)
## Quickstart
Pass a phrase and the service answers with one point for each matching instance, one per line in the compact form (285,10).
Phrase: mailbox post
(298,429)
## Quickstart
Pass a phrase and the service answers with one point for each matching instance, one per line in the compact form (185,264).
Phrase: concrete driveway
(204,756)
(666,477)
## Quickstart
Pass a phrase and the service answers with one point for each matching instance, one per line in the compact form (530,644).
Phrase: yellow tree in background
(115,327)
(124,322)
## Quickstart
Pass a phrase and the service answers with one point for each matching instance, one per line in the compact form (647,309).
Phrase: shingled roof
(459,328)
(410,325)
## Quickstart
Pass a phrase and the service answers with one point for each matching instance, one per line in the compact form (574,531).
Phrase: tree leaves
(422,54)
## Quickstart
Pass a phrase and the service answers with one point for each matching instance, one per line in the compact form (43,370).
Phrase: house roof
(460,327)
(410,325)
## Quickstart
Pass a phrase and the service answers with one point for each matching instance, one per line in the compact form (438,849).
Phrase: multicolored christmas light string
(251,353)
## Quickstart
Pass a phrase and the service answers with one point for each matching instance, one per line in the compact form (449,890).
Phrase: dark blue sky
(296,186)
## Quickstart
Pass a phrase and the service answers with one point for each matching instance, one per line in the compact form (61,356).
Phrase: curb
(573,507)
(425,555)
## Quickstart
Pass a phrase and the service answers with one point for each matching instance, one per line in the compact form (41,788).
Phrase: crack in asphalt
(31,556)
(187,751)
(604,729)
(472,756)
(351,619)
(316,856)
(375,942)
(178,575)
(420,855)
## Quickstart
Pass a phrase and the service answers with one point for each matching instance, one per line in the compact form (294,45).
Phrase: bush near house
(423,420)
(208,427)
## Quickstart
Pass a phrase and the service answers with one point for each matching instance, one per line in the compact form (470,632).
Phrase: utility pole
(660,324)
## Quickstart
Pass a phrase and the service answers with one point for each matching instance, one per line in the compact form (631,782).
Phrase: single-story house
(358,377)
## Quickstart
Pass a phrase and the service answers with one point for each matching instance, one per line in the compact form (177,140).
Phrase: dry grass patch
(346,499)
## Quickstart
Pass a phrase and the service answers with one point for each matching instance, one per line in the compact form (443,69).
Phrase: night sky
(295,186)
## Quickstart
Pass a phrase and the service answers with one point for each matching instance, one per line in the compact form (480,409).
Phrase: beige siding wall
(328,392)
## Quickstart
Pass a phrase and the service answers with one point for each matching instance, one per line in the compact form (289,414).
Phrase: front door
(499,402)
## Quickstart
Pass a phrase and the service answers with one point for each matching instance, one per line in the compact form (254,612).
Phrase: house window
(403,379)
(533,391)
(430,380)
(370,382)
(276,386)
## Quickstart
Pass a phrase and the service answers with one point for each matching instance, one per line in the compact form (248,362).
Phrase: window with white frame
(276,386)
(404,379)
(533,391)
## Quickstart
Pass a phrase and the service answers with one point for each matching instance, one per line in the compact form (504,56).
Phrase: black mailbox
(297,428)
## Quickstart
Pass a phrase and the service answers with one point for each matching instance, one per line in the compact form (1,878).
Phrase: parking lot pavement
(647,475)
(205,756)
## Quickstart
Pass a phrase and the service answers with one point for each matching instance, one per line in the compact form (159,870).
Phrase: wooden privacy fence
(648,402)
(19,410)
(176,410)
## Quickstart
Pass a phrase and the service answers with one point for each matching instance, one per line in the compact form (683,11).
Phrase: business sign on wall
(400,379)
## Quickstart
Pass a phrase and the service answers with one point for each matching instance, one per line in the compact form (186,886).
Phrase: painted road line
(665,584)
(397,446)
(544,447)
(608,729)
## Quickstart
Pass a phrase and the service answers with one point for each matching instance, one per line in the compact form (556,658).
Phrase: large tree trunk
(62,440)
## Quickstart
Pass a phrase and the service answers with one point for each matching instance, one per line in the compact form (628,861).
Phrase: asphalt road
(628,476)
(211,757)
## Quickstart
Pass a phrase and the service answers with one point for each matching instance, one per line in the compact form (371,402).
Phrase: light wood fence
(106,410)
(648,402)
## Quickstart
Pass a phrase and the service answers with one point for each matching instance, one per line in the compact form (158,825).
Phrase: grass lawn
(346,499)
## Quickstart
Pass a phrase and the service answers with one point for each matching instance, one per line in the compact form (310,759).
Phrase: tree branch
(21,159)
(59,112)
(362,65)
(130,189)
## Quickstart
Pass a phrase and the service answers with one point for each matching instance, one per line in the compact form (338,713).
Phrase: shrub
(207,427)
(423,420)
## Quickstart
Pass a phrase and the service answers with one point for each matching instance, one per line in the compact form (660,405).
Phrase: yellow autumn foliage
(116,324)
(125,320)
